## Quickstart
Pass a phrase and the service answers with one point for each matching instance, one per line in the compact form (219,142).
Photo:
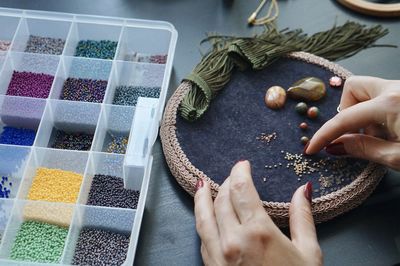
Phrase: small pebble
(275,97)
(44,45)
(304,140)
(313,112)
(103,49)
(303,125)
(55,185)
(307,89)
(335,81)
(128,95)
(17,136)
(39,242)
(72,141)
(118,144)
(30,84)
(85,90)
(109,191)
(4,45)
(100,247)
(301,108)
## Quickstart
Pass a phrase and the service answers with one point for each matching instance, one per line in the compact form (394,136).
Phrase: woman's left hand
(236,230)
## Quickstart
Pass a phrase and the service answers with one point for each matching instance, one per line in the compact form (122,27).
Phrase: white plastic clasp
(141,139)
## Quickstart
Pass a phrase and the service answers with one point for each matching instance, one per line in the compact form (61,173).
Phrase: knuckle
(201,221)
(231,250)
(261,234)
(393,161)
(349,83)
(360,144)
(239,186)
(392,98)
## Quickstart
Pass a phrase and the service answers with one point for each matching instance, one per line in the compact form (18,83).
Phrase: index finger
(349,120)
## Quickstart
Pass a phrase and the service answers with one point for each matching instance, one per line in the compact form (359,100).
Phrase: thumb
(302,228)
(367,147)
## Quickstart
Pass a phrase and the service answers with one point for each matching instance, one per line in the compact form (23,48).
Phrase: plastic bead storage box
(81,99)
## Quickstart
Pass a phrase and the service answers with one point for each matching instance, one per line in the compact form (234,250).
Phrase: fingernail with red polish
(305,148)
(336,149)
(308,191)
(199,184)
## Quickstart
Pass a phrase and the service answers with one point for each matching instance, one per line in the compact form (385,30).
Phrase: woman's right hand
(373,105)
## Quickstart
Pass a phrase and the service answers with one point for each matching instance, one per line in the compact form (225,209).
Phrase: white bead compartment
(100,119)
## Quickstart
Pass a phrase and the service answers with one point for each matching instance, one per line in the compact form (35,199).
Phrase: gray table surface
(369,235)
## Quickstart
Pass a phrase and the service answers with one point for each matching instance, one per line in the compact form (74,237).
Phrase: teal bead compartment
(103,49)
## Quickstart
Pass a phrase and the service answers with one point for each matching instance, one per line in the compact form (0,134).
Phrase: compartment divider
(119,39)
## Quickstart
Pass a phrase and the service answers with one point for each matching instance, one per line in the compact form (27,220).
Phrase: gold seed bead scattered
(267,138)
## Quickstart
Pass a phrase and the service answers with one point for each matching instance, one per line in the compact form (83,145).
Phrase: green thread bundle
(227,53)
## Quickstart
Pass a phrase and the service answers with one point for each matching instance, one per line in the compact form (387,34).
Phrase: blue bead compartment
(94,61)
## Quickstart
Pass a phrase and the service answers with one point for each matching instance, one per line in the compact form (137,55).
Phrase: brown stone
(307,89)
(275,97)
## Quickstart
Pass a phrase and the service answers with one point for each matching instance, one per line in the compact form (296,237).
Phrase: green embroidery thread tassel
(227,53)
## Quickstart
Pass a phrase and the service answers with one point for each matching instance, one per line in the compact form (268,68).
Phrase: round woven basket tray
(231,129)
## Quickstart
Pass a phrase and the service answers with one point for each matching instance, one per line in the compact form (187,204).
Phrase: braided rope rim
(324,208)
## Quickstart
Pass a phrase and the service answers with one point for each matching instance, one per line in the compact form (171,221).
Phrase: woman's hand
(236,230)
(369,104)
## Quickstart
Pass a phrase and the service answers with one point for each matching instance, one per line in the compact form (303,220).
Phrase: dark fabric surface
(238,115)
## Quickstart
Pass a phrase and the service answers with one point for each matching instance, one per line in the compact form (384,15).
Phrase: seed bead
(117,144)
(84,90)
(129,95)
(44,45)
(39,242)
(100,247)
(109,191)
(17,136)
(29,84)
(72,140)
(55,185)
(103,49)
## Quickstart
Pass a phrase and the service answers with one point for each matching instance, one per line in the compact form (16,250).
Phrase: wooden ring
(373,9)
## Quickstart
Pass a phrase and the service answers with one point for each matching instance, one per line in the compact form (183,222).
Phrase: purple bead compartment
(85,90)
(29,84)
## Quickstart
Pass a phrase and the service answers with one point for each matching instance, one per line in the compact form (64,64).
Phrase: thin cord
(272,13)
